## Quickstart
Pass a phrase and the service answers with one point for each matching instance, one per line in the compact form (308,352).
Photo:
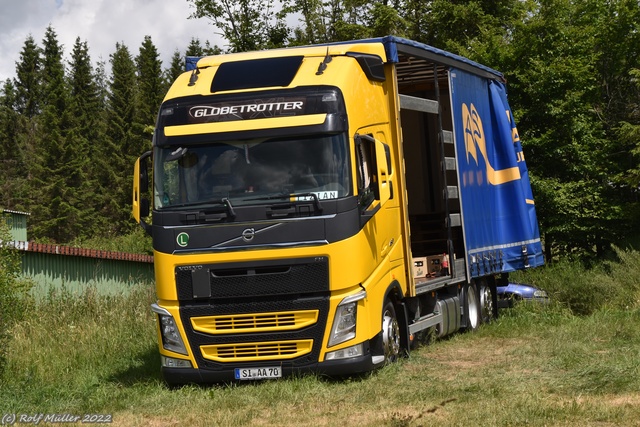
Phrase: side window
(367,180)
(166,180)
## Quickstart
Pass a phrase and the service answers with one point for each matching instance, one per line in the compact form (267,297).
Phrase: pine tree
(102,84)
(11,163)
(195,48)
(87,111)
(151,86)
(26,105)
(57,174)
(122,143)
(175,69)
(27,83)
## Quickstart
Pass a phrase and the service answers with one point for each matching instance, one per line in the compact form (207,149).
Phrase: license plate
(258,373)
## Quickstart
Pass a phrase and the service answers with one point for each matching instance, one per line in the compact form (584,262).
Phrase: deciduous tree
(245,24)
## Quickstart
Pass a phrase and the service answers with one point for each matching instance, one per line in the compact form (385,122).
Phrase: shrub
(137,241)
(623,277)
(608,284)
(14,289)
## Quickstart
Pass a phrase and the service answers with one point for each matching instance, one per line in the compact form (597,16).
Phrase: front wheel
(390,333)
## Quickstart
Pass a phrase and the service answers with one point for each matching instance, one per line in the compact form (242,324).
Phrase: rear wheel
(472,307)
(487,306)
(390,333)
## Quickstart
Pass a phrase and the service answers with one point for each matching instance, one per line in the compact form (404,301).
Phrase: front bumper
(332,368)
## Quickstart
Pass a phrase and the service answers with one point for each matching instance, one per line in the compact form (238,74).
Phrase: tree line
(69,133)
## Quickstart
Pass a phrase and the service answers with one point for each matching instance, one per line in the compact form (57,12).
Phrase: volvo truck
(323,208)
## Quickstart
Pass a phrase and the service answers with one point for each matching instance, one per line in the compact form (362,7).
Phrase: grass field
(537,366)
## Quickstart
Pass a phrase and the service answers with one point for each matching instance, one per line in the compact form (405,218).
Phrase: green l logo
(182,239)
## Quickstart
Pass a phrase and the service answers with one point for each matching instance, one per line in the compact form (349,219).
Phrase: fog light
(170,362)
(345,353)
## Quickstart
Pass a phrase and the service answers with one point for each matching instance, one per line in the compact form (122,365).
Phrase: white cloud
(102,24)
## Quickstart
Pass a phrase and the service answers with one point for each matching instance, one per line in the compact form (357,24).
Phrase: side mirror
(144,208)
(144,175)
(140,207)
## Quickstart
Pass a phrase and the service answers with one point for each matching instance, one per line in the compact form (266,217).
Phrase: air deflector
(256,73)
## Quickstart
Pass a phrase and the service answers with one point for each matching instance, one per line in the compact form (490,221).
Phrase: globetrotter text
(209,111)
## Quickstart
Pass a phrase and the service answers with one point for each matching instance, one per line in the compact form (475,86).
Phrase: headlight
(171,339)
(344,322)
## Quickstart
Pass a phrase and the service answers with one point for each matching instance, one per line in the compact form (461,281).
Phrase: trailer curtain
(498,209)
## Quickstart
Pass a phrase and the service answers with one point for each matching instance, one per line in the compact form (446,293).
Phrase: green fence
(75,269)
(17,223)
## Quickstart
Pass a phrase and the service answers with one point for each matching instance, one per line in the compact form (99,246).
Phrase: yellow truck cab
(305,199)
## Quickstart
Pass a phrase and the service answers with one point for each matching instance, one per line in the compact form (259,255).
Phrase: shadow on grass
(144,369)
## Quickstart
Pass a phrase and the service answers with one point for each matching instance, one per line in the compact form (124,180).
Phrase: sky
(102,24)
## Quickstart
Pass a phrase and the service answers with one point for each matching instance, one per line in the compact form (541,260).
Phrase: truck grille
(249,323)
(257,312)
(299,345)
(256,351)
(255,279)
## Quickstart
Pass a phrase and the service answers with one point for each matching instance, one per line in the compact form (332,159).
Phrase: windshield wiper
(281,196)
(231,213)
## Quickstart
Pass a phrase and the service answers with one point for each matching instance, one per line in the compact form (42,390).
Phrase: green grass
(610,284)
(536,365)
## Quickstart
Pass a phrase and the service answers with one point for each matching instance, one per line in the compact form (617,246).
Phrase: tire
(472,309)
(390,333)
(487,302)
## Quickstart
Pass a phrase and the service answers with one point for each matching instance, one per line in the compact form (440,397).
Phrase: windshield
(246,171)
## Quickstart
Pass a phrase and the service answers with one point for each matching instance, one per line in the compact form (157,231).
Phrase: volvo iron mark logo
(248,234)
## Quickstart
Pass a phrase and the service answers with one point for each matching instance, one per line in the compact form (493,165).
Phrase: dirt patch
(478,354)
(615,400)
(419,416)
(133,420)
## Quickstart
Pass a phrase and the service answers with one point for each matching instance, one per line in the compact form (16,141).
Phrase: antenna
(323,64)
(194,77)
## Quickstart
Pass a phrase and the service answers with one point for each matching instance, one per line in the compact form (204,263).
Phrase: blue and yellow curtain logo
(476,144)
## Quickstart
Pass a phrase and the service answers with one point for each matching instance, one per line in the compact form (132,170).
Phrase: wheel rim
(472,308)
(390,335)
(486,303)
